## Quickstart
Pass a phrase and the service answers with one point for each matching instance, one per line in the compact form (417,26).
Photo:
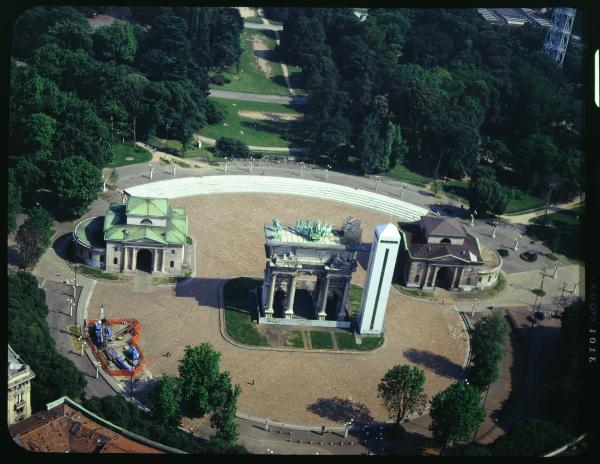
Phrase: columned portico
(435,273)
(289,312)
(134,261)
(342,311)
(323,294)
(453,285)
(269,310)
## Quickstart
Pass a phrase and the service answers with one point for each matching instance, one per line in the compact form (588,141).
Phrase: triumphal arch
(313,257)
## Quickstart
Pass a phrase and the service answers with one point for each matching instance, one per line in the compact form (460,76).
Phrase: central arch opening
(144,261)
(444,278)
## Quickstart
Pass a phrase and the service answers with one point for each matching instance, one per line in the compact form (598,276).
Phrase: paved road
(211,142)
(256,97)
(269,27)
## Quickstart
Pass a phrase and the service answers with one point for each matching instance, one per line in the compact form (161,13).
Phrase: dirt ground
(268,116)
(261,52)
(246,12)
(294,387)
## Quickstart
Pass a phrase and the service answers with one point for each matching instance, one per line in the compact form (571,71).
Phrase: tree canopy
(33,236)
(455,412)
(401,391)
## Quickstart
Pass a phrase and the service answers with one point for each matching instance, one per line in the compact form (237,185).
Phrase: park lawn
(251,78)
(401,172)
(354,297)
(253,19)
(256,132)
(457,190)
(562,232)
(173,147)
(295,340)
(237,301)
(527,202)
(320,339)
(347,341)
(121,151)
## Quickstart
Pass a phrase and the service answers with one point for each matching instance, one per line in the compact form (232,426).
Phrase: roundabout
(302,387)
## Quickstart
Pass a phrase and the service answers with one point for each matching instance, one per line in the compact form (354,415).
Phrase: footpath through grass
(251,78)
(252,131)
(123,151)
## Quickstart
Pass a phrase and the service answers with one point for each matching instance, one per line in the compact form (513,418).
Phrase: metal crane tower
(558,35)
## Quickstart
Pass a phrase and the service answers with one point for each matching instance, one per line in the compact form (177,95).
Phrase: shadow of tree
(341,410)
(440,365)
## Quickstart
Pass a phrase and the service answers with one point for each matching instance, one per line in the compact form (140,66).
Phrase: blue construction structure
(117,359)
(98,334)
(133,354)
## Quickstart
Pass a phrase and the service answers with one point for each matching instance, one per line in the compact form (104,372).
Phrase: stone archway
(279,298)
(144,260)
(444,278)
(333,303)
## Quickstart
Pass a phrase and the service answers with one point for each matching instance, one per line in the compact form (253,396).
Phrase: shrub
(528,256)
(226,146)
(219,79)
(551,256)
(503,252)
(538,292)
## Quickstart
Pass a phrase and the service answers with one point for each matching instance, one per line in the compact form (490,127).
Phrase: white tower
(382,261)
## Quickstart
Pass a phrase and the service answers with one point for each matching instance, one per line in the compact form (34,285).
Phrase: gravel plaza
(311,388)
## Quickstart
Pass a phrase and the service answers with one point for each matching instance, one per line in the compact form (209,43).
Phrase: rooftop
(289,235)
(68,427)
(417,245)
(116,227)
(15,363)
(442,226)
(151,207)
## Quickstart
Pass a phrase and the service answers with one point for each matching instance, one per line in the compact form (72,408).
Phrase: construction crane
(557,37)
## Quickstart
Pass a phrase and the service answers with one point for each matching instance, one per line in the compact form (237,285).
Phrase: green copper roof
(153,207)
(116,227)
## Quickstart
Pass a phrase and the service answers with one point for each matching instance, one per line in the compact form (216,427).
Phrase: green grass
(457,190)
(562,232)
(354,297)
(76,343)
(256,132)
(96,273)
(551,256)
(295,340)
(251,78)
(121,151)
(347,341)
(253,19)
(538,292)
(188,240)
(174,147)
(402,173)
(413,292)
(525,203)
(320,339)
(237,302)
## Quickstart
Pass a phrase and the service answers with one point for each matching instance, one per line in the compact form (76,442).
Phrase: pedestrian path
(212,142)
(191,186)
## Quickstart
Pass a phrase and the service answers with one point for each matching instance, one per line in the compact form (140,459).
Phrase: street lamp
(402,191)
(556,269)
(327,171)
(377,182)
(151,170)
(174,167)
(251,159)
(517,242)
(494,230)
(473,214)
(226,164)
(543,277)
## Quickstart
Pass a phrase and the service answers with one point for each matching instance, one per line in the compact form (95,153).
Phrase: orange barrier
(135,331)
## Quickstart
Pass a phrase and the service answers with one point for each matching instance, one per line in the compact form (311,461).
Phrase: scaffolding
(557,38)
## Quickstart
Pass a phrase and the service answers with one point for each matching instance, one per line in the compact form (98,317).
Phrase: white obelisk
(382,261)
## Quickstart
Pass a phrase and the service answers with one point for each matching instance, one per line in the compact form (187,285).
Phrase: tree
(223,417)
(30,178)
(530,437)
(70,33)
(116,43)
(14,201)
(199,371)
(166,401)
(35,138)
(401,390)
(455,413)
(29,335)
(33,237)
(487,347)
(486,194)
(76,183)
(231,148)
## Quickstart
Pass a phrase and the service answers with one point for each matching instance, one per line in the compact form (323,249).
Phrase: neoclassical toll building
(145,233)
(439,252)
